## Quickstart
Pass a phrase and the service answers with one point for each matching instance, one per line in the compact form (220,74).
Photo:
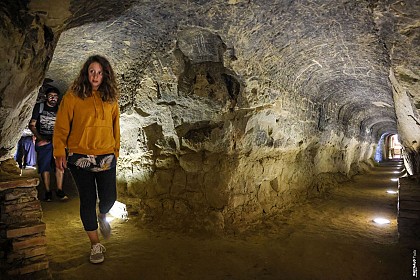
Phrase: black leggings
(92,185)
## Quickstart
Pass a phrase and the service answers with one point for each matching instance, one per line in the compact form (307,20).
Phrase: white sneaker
(97,253)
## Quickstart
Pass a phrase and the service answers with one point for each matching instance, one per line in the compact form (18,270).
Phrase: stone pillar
(23,246)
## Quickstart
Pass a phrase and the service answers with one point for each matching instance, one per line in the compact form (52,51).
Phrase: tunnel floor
(331,237)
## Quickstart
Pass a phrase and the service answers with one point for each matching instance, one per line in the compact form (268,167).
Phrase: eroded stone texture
(29,31)
(399,25)
(236,109)
(27,45)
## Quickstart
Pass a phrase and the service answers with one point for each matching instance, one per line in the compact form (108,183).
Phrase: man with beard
(42,126)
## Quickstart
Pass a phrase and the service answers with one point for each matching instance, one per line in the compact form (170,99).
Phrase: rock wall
(29,32)
(398,24)
(27,44)
(221,173)
(23,245)
(231,110)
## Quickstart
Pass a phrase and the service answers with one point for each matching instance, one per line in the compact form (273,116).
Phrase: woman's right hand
(61,163)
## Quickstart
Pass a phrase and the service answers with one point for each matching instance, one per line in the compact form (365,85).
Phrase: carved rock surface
(230,109)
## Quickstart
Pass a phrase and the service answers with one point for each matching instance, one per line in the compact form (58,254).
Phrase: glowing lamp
(381,221)
(394,179)
(119,210)
(391,192)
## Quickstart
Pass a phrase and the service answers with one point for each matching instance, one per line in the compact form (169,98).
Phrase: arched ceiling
(332,57)
(329,53)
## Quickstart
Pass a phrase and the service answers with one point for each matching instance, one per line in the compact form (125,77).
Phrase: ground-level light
(119,211)
(381,221)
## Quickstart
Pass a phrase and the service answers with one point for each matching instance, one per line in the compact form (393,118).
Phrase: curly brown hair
(108,88)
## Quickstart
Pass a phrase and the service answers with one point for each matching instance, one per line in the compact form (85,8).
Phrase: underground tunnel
(258,138)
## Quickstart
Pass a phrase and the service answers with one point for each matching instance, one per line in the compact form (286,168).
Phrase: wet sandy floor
(327,238)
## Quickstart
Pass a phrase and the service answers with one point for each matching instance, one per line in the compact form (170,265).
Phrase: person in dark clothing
(25,153)
(42,126)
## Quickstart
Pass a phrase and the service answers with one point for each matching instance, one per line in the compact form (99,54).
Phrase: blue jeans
(25,153)
(93,185)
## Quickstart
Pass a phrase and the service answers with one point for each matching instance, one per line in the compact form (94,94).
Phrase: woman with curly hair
(88,126)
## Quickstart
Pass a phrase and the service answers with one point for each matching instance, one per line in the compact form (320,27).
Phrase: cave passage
(330,237)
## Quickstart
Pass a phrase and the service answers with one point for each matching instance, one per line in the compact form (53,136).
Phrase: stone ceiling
(312,85)
(334,54)
(337,56)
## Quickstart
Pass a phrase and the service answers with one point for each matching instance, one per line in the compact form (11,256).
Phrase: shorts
(45,158)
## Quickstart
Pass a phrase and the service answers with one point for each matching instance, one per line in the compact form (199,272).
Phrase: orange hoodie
(87,126)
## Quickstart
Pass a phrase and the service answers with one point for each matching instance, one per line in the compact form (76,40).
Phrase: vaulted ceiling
(324,62)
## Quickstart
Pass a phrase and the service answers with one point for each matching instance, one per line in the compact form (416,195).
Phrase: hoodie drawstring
(103,108)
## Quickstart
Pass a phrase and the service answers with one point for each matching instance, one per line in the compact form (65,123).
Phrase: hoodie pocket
(97,138)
